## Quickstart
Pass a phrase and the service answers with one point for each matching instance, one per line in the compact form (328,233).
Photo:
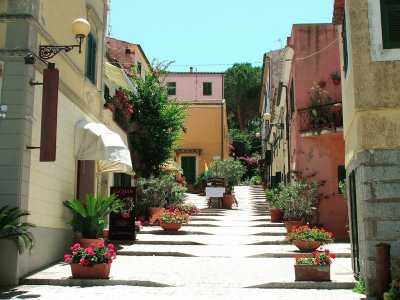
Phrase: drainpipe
(222,129)
(287,134)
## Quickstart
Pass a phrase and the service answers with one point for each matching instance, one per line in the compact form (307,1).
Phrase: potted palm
(89,218)
(11,228)
(232,171)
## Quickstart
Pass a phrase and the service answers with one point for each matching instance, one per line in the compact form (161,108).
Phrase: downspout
(287,134)
(222,129)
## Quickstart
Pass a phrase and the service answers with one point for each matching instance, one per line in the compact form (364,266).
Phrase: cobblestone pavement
(235,254)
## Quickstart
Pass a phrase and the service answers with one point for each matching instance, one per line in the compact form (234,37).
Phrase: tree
(242,85)
(155,125)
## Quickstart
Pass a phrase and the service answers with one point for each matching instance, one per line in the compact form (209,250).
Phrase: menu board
(122,221)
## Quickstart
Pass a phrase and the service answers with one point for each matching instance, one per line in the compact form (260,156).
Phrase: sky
(211,35)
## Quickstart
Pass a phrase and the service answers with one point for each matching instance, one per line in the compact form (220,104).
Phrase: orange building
(206,138)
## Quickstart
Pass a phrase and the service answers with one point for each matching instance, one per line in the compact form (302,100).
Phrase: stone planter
(171,226)
(307,246)
(312,272)
(95,272)
(276,215)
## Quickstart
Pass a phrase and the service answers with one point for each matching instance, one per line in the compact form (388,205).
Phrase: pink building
(315,118)
(191,86)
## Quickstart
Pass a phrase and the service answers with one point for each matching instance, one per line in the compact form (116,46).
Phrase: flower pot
(87,242)
(276,215)
(227,201)
(307,246)
(155,212)
(171,226)
(289,225)
(95,272)
(106,233)
(312,272)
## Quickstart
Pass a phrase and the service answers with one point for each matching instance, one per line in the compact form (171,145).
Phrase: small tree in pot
(276,204)
(232,171)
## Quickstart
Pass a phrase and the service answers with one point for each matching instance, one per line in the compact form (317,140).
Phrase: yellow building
(39,179)
(206,138)
(370,58)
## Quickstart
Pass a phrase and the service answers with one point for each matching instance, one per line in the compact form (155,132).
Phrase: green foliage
(155,125)
(359,286)
(275,201)
(229,169)
(298,198)
(241,142)
(177,194)
(12,229)
(343,188)
(242,88)
(154,190)
(201,182)
(90,218)
(305,233)
(256,180)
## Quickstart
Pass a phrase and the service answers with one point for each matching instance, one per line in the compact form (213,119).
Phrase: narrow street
(235,254)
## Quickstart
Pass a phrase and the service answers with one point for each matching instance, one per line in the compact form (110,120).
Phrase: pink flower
(93,245)
(77,245)
(327,251)
(333,255)
(107,254)
(317,260)
(101,245)
(86,262)
(91,253)
(67,258)
(82,261)
(114,255)
(75,252)
(110,246)
(88,249)
(109,261)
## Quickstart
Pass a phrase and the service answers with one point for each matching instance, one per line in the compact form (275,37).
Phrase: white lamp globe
(80,27)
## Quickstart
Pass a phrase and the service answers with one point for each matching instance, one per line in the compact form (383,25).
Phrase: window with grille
(390,18)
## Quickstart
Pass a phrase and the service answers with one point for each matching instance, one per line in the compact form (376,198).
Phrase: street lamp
(80,27)
(268,117)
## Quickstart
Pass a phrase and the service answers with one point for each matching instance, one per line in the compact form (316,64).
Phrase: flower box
(312,272)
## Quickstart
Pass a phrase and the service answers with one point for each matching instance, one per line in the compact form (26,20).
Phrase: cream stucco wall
(370,89)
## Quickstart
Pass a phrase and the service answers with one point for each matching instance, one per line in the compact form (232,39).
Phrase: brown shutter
(48,134)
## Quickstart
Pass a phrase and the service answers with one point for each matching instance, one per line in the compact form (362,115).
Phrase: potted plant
(11,228)
(232,171)
(276,205)
(153,192)
(315,267)
(171,220)
(335,78)
(93,261)
(89,218)
(309,239)
(298,199)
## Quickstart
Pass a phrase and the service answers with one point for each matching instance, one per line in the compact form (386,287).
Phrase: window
(139,68)
(341,176)
(207,88)
(344,42)
(121,179)
(390,18)
(91,58)
(106,93)
(171,88)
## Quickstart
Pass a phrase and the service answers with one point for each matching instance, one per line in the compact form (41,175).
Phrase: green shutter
(292,97)
(207,88)
(91,58)
(341,175)
(345,53)
(390,16)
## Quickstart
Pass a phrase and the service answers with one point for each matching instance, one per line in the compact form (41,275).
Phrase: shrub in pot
(276,204)
(232,171)
(89,218)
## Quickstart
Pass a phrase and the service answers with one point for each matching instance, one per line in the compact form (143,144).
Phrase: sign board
(214,191)
(216,181)
(122,221)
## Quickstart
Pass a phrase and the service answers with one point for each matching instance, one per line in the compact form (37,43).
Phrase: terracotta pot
(227,201)
(106,233)
(87,242)
(289,225)
(171,226)
(312,272)
(96,271)
(276,215)
(155,211)
(307,246)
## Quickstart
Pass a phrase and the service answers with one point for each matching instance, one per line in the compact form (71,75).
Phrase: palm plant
(12,229)
(90,218)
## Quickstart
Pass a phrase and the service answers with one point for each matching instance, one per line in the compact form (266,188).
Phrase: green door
(189,168)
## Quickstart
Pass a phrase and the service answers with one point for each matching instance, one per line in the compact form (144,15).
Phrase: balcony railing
(323,117)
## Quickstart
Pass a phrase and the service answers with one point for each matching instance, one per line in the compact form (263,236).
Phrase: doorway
(85,178)
(188,164)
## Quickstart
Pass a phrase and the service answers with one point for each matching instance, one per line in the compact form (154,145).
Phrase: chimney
(191,69)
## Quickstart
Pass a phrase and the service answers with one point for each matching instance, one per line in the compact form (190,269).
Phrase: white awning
(94,141)
(171,165)
(118,76)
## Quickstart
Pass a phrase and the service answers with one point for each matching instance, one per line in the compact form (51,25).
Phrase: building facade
(370,65)
(206,138)
(26,181)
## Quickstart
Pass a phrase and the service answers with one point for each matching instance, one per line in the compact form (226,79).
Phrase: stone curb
(90,282)
(329,285)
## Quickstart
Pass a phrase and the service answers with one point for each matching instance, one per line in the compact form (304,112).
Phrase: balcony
(324,117)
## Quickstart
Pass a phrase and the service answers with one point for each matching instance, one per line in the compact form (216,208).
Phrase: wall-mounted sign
(122,221)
